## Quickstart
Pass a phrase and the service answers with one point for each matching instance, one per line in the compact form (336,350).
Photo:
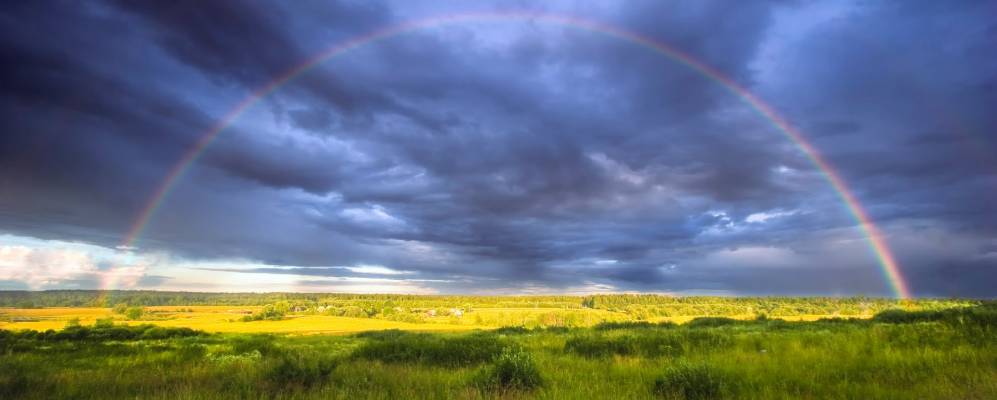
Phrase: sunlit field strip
(226,319)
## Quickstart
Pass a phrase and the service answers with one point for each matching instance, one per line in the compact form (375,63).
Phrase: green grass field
(930,349)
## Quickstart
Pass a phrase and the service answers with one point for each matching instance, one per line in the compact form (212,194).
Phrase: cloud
(500,156)
(59,265)
(761,217)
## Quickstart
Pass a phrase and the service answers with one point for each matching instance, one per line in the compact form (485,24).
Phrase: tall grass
(935,355)
(513,370)
(694,381)
(456,351)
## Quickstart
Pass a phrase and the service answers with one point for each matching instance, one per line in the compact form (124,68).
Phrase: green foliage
(645,342)
(617,325)
(559,311)
(693,381)
(100,333)
(456,351)
(263,344)
(985,315)
(378,302)
(134,313)
(641,306)
(514,369)
(649,345)
(293,371)
(512,330)
(714,321)
(270,312)
(926,353)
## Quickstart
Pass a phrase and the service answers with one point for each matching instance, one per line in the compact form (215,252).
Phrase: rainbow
(876,241)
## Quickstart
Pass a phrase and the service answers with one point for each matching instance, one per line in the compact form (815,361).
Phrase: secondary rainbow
(875,239)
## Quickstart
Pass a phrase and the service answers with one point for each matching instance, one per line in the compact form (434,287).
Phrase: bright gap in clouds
(35,264)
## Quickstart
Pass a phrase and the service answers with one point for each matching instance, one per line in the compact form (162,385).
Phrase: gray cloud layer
(516,154)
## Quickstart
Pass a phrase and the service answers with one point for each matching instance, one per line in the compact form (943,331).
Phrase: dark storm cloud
(914,131)
(513,154)
(75,129)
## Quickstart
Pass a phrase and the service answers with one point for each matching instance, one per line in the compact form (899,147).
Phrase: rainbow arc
(875,238)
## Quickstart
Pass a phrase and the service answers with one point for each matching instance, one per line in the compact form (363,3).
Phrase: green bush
(103,322)
(985,315)
(134,313)
(264,344)
(650,345)
(713,321)
(431,349)
(514,369)
(16,382)
(693,381)
(512,330)
(387,334)
(295,371)
(159,333)
(103,332)
(618,325)
(270,312)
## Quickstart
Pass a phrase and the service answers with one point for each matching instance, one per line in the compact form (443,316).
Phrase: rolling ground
(496,347)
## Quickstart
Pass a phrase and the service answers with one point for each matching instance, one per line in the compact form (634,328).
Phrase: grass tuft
(693,381)
(447,351)
(514,369)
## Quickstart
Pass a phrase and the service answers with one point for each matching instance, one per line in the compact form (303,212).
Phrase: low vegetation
(270,312)
(530,311)
(927,354)
(693,381)
(401,347)
(513,370)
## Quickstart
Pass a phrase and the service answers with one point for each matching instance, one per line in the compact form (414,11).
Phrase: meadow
(614,346)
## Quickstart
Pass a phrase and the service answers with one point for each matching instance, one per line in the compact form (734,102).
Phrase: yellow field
(210,319)
(686,318)
(226,319)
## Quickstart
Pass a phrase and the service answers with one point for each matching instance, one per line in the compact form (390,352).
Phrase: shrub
(250,343)
(103,323)
(15,382)
(270,312)
(514,369)
(354,312)
(984,315)
(691,381)
(190,351)
(295,371)
(512,330)
(713,321)
(904,317)
(431,349)
(107,332)
(157,332)
(387,334)
(134,313)
(706,340)
(652,345)
(607,326)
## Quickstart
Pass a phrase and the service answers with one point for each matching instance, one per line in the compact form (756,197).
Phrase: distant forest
(637,305)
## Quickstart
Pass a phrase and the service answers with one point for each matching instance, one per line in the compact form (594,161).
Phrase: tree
(134,313)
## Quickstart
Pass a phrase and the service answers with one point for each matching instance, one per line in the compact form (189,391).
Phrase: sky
(502,155)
